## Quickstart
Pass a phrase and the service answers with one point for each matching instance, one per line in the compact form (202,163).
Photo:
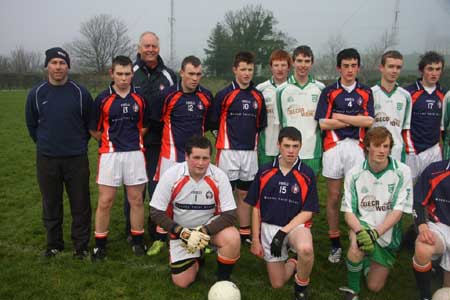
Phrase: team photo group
(382,152)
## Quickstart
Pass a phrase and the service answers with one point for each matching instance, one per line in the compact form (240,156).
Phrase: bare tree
(371,57)
(102,38)
(325,64)
(22,61)
(4,64)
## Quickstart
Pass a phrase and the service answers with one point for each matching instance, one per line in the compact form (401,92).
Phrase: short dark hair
(349,53)
(197,141)
(376,136)
(291,133)
(191,59)
(390,54)
(244,56)
(305,50)
(121,60)
(430,57)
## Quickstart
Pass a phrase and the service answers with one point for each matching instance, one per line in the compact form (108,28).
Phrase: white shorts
(418,162)
(178,252)
(122,167)
(337,161)
(163,165)
(268,231)
(443,233)
(238,164)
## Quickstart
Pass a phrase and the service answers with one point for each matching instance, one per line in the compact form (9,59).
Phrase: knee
(136,202)
(182,282)
(422,251)
(375,286)
(276,284)
(104,205)
(306,251)
(354,254)
(230,237)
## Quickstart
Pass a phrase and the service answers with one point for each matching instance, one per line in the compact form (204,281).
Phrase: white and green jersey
(372,196)
(393,111)
(297,107)
(268,138)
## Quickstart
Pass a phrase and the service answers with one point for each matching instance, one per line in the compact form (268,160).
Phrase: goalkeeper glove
(277,243)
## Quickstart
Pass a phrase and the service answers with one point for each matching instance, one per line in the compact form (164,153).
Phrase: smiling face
(302,66)
(149,49)
(58,71)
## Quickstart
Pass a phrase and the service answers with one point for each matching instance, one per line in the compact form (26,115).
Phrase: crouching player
(377,193)
(194,202)
(284,199)
(432,193)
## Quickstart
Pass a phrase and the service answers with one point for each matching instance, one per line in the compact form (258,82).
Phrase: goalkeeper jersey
(268,138)
(190,203)
(393,111)
(297,107)
(372,196)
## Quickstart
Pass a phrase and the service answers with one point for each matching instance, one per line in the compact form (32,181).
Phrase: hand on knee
(375,286)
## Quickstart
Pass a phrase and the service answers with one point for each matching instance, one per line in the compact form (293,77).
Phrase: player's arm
(331,124)
(256,247)
(95,118)
(352,222)
(420,216)
(391,219)
(96,134)
(348,201)
(356,121)
(31,116)
(224,220)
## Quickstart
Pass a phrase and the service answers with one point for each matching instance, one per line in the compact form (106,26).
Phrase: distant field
(25,275)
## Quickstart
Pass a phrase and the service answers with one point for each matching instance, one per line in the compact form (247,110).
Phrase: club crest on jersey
(295,189)
(255,105)
(364,190)
(290,99)
(359,101)
(314,98)
(161,87)
(200,106)
(135,107)
(439,104)
(209,195)
(391,187)
(399,106)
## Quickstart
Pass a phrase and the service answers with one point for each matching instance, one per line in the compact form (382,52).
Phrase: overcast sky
(38,25)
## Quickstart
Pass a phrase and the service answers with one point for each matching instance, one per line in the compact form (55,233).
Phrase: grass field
(25,275)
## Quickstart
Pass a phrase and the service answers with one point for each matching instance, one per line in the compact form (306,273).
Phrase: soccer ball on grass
(224,290)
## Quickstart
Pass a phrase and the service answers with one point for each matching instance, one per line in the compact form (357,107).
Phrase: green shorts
(314,163)
(383,256)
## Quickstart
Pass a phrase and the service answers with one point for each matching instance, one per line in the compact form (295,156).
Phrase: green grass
(25,275)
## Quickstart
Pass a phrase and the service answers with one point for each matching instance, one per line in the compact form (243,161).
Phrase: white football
(442,294)
(224,290)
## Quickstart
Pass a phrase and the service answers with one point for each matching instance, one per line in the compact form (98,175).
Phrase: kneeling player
(194,202)
(284,197)
(377,193)
(432,192)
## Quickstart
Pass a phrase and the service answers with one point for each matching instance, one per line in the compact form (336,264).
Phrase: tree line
(251,28)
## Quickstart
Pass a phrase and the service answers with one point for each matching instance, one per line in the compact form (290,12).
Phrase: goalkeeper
(194,202)
(377,193)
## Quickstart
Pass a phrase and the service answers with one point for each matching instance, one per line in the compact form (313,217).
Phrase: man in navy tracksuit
(57,117)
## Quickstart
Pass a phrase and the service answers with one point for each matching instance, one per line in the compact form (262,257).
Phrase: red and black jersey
(281,197)
(336,99)
(426,118)
(432,191)
(241,114)
(120,120)
(183,115)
